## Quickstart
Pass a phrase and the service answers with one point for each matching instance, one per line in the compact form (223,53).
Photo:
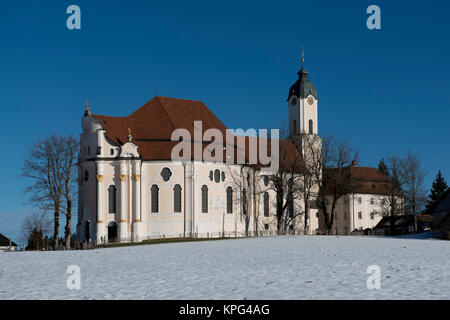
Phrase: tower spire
(303,56)
(87,108)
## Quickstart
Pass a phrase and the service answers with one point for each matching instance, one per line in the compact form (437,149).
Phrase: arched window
(204,199)
(310,126)
(217,175)
(177,198)
(155,198)
(266,204)
(112,199)
(229,200)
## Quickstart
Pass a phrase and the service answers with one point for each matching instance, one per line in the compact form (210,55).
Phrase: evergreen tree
(438,188)
(35,241)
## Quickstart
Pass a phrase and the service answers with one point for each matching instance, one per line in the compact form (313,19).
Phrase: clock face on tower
(310,100)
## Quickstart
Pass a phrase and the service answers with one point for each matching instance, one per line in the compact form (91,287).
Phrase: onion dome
(302,87)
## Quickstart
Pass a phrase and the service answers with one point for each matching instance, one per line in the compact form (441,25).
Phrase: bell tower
(302,104)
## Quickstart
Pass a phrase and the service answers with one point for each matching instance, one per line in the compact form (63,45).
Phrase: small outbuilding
(6,244)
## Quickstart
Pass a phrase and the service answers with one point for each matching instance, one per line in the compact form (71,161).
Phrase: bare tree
(49,167)
(286,183)
(412,176)
(242,186)
(69,177)
(312,173)
(333,173)
(393,205)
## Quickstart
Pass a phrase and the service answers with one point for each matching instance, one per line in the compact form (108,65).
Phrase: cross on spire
(303,56)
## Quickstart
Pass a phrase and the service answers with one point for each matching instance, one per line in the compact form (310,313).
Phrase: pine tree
(35,241)
(439,187)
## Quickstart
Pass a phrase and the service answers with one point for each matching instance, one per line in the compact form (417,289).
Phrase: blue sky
(384,90)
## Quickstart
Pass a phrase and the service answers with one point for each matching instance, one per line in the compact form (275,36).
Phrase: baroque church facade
(131,189)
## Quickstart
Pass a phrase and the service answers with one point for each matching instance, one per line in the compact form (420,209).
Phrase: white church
(130,189)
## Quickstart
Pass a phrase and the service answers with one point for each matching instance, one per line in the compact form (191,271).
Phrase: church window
(359,200)
(112,151)
(166,174)
(211,175)
(155,198)
(223,176)
(229,200)
(217,176)
(266,181)
(204,199)
(359,215)
(266,204)
(112,199)
(99,151)
(372,201)
(372,215)
(310,126)
(177,198)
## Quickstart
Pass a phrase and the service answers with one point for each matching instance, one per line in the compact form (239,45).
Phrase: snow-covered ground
(291,267)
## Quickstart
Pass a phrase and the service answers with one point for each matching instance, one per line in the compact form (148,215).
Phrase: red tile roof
(365,180)
(153,123)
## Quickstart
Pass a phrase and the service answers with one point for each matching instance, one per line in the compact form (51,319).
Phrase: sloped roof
(158,118)
(152,126)
(364,180)
(4,241)
(302,87)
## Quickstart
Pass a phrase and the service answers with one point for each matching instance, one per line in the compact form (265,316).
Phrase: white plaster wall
(352,206)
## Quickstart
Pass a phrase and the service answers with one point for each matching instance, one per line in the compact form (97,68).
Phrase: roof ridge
(167,114)
(180,99)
